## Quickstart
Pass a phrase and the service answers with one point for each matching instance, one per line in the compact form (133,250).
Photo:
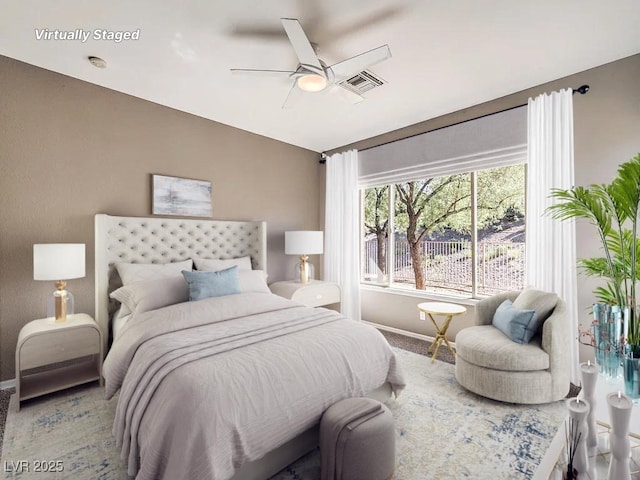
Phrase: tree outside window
(433,245)
(376,226)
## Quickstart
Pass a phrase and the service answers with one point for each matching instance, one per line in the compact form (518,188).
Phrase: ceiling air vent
(362,82)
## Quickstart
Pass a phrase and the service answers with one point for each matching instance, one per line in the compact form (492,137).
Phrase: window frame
(389,285)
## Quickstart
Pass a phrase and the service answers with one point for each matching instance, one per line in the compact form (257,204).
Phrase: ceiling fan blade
(293,97)
(254,71)
(349,67)
(302,46)
(262,31)
(367,21)
(313,14)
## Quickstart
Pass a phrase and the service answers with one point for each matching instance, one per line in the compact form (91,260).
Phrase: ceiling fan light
(312,82)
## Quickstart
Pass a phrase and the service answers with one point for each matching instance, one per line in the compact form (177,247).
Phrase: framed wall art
(180,196)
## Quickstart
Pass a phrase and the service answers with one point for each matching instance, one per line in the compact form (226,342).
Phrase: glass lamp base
(300,269)
(60,303)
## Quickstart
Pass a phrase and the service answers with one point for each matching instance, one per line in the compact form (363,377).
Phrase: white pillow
(120,319)
(215,265)
(253,281)
(148,295)
(139,272)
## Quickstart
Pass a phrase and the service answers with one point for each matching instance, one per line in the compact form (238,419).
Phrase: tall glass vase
(608,327)
(631,367)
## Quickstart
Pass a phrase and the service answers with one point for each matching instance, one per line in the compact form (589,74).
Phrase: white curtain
(342,244)
(551,244)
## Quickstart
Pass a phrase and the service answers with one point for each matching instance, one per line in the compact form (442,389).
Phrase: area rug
(443,431)
(446,432)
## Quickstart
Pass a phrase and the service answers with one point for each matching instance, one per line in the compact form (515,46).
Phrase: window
(376,231)
(459,234)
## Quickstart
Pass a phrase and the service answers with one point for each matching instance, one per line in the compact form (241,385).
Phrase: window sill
(436,297)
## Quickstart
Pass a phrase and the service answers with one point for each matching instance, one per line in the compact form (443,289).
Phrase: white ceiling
(446,54)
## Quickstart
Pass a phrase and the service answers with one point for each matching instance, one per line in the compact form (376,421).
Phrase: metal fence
(448,265)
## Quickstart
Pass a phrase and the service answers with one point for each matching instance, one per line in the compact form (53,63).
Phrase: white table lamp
(303,243)
(59,262)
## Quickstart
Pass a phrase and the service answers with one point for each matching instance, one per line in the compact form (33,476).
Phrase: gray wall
(607,133)
(70,149)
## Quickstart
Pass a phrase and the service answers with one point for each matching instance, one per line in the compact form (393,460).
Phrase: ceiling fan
(312,74)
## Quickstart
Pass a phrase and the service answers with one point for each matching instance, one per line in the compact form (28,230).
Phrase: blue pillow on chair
(212,284)
(518,324)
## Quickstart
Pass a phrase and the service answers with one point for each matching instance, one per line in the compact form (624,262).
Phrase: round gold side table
(448,310)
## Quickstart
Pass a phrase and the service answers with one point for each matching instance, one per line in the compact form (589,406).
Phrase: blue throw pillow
(517,324)
(212,284)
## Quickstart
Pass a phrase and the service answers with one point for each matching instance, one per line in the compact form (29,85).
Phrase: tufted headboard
(164,240)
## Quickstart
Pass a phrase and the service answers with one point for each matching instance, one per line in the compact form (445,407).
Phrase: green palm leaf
(581,202)
(595,267)
(612,209)
(625,188)
(605,294)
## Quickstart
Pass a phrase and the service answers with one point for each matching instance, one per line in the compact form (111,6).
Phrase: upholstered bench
(357,441)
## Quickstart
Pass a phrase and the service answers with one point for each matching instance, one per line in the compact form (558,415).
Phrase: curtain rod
(582,89)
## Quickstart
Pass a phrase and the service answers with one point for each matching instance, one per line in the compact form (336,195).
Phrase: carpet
(417,345)
(446,432)
(443,431)
(5,396)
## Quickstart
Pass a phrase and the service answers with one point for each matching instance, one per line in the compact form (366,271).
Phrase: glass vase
(631,367)
(608,325)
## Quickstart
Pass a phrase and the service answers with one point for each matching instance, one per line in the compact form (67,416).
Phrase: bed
(260,369)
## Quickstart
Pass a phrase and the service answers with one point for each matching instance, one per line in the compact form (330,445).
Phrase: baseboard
(406,333)
(7,384)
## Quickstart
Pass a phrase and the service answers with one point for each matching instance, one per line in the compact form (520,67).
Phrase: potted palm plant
(613,209)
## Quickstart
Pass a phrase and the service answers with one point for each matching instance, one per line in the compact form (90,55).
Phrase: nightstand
(314,294)
(44,343)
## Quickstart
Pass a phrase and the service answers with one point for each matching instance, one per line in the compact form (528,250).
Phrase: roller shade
(493,141)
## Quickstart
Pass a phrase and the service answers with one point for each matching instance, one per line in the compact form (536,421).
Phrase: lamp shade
(58,261)
(303,242)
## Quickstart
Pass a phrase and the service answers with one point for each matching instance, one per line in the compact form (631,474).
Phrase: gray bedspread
(207,386)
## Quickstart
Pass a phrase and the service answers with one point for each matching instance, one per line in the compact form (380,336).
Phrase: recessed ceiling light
(98,62)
